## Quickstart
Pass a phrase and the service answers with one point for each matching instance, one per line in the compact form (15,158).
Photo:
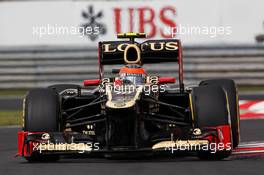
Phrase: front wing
(211,139)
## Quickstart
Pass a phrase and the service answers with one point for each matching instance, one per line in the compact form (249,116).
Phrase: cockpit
(132,74)
(135,79)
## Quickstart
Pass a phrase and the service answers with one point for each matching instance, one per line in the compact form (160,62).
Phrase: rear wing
(152,51)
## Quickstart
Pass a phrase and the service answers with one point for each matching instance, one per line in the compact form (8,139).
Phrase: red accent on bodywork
(165,80)
(21,138)
(225,131)
(91,82)
(24,149)
(223,136)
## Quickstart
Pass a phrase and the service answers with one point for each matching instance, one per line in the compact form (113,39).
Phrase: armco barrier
(38,67)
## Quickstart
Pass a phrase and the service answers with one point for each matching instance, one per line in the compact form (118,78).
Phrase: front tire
(41,115)
(231,90)
(210,110)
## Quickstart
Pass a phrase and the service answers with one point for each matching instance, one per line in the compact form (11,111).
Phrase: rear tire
(41,115)
(231,90)
(210,109)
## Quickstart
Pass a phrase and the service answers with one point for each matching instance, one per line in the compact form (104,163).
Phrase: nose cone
(121,99)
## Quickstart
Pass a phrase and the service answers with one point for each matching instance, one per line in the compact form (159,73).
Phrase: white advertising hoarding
(49,23)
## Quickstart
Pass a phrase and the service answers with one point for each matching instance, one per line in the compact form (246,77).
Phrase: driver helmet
(132,74)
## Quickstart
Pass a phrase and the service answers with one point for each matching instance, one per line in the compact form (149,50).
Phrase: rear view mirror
(166,80)
(94,82)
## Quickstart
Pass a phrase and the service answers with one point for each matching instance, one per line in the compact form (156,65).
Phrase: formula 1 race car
(131,112)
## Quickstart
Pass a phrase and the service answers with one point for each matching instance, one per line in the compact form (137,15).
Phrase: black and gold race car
(131,113)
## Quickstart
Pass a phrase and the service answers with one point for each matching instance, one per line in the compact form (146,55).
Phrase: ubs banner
(74,23)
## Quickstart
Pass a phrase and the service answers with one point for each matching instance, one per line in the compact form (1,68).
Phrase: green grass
(13,92)
(10,117)
(251,89)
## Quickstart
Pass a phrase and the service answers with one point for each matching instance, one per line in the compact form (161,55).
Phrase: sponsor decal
(145,19)
(92,19)
(162,19)
(45,136)
(153,46)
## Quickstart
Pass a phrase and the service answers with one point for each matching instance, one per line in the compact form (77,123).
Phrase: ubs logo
(93,27)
